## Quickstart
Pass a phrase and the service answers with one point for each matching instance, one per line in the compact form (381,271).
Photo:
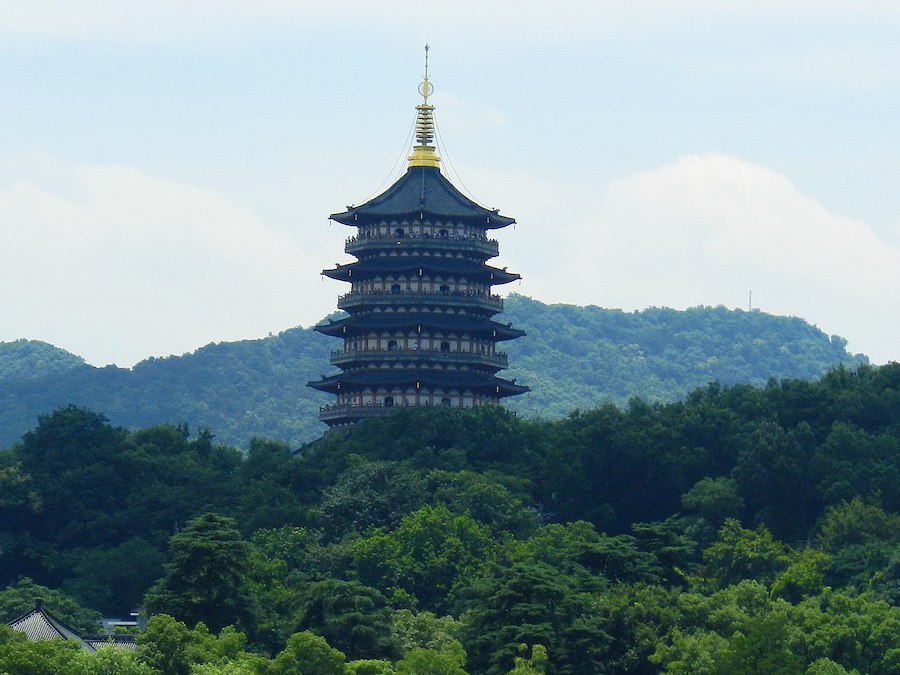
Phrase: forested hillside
(580,357)
(742,530)
(572,358)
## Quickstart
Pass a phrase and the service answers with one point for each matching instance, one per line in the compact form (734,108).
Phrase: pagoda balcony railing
(342,357)
(489,247)
(337,411)
(404,297)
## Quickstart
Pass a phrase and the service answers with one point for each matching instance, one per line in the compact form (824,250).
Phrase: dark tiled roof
(395,321)
(422,193)
(38,624)
(457,379)
(460,267)
(125,642)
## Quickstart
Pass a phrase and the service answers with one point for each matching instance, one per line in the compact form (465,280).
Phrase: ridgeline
(572,358)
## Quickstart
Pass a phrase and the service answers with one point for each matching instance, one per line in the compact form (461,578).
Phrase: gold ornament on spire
(423,153)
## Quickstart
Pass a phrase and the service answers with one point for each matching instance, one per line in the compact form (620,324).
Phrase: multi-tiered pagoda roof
(422,191)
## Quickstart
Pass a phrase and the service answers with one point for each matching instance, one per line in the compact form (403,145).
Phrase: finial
(423,153)
(425,88)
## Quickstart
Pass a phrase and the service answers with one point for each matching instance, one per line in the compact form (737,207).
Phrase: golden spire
(423,153)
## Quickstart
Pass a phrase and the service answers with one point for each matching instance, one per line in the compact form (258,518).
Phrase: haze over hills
(572,358)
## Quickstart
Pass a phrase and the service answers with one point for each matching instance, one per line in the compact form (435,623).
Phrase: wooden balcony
(482,245)
(355,299)
(495,360)
(352,413)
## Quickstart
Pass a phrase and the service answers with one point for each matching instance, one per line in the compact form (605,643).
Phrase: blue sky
(167,168)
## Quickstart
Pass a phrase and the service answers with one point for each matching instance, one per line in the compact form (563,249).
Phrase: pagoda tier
(419,330)
(407,239)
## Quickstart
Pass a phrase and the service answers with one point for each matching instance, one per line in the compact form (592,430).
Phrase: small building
(420,330)
(39,624)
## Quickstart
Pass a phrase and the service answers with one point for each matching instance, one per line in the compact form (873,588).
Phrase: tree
(425,556)
(863,543)
(536,664)
(111,661)
(424,630)
(73,458)
(172,648)
(429,662)
(268,497)
(165,645)
(20,656)
(673,543)
(760,648)
(532,603)
(773,477)
(308,654)
(578,549)
(860,633)
(22,597)
(494,499)
(745,554)
(715,499)
(370,667)
(854,462)
(206,579)
(113,579)
(637,618)
(804,576)
(352,617)
(371,494)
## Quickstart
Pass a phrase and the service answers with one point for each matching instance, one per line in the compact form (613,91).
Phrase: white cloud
(709,230)
(116,265)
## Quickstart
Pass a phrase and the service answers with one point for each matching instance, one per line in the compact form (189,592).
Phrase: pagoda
(419,330)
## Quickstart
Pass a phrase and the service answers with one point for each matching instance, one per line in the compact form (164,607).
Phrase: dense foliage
(741,530)
(34,360)
(573,357)
(581,357)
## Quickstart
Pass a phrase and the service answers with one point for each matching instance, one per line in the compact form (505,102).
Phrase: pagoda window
(443,234)
(445,346)
(445,402)
(395,288)
(445,288)
(392,345)
(388,401)
(399,232)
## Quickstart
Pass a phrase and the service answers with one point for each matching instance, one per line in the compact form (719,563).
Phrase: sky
(167,169)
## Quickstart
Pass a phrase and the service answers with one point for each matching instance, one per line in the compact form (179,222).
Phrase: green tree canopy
(207,576)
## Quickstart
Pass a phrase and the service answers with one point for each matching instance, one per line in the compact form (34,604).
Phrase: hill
(580,357)
(573,358)
(33,360)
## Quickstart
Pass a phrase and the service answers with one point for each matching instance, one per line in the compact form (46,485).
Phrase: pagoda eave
(418,266)
(422,191)
(355,218)
(419,322)
(419,379)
